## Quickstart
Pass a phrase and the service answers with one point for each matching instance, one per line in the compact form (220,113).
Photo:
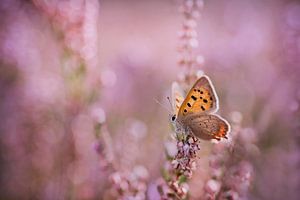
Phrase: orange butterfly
(196,112)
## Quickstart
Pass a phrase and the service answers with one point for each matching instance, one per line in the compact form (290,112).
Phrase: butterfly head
(173,118)
(176,124)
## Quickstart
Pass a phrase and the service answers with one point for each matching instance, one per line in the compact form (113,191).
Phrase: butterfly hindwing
(201,98)
(208,126)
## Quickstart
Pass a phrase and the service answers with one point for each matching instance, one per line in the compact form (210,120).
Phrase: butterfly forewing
(201,98)
(177,97)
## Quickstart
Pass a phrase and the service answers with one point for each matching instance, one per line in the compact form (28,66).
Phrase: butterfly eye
(173,118)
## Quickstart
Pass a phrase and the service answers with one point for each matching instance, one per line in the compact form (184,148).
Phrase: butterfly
(196,112)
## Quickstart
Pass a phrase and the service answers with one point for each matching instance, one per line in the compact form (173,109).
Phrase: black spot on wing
(205,100)
(194,98)
(202,108)
(189,105)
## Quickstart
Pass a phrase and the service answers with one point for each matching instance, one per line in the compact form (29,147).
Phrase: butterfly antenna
(162,105)
(169,101)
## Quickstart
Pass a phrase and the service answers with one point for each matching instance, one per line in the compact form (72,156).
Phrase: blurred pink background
(68,66)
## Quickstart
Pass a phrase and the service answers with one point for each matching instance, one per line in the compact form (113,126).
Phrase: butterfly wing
(201,98)
(208,126)
(177,97)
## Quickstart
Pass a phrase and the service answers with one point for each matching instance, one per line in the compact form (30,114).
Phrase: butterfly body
(195,114)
